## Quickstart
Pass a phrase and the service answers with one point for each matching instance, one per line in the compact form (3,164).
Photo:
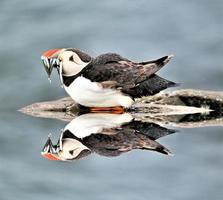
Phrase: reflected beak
(48,147)
(48,150)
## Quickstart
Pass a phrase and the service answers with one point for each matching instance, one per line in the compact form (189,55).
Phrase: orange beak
(50,156)
(51,53)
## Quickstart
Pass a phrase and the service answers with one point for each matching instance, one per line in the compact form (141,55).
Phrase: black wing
(127,74)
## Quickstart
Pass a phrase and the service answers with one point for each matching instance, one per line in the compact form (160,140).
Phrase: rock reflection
(107,135)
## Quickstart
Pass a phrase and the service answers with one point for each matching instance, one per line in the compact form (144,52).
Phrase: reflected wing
(152,130)
(122,140)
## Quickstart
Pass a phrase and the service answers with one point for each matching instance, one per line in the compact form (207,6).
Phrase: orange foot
(116,110)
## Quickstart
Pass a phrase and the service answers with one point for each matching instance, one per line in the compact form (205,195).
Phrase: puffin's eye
(71,152)
(71,59)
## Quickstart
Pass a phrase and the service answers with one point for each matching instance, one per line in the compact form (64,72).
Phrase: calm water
(192,30)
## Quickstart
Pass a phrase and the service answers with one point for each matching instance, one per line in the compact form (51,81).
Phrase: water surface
(140,30)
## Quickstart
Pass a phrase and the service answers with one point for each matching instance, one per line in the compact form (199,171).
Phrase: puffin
(106,134)
(108,81)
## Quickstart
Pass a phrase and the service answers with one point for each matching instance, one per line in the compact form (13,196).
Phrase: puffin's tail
(155,146)
(153,85)
(155,65)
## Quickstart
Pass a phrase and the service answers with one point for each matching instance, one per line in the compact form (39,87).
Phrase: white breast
(91,94)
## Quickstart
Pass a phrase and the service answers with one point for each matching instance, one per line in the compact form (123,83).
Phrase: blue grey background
(138,30)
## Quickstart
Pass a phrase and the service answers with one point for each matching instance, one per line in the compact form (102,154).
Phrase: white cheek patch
(72,68)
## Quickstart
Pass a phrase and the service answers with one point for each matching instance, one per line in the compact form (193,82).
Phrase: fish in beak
(50,151)
(50,60)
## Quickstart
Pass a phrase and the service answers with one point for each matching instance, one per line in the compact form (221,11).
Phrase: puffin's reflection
(105,134)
